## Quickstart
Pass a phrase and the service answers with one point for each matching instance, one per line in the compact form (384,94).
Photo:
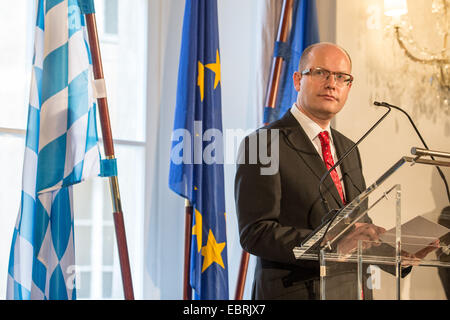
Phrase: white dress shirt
(312,130)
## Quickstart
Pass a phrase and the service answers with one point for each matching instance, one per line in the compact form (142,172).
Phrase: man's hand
(409,259)
(369,233)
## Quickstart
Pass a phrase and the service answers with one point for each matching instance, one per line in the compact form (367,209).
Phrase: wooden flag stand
(108,144)
(242,276)
(187,290)
(271,99)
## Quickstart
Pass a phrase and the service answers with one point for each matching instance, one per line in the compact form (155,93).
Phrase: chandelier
(437,57)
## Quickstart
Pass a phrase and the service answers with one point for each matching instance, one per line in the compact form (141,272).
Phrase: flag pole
(278,62)
(187,290)
(242,276)
(108,145)
(271,100)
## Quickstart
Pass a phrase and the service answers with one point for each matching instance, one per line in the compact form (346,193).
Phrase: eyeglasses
(320,74)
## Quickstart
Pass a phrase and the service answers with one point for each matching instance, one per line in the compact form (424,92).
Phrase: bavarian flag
(196,167)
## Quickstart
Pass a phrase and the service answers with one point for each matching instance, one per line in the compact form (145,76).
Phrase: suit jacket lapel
(300,142)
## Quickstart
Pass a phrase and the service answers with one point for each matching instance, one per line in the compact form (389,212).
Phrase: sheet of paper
(417,234)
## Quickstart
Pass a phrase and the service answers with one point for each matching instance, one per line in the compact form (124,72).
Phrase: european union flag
(304,32)
(196,168)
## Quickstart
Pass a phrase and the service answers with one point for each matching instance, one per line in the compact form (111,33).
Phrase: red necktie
(328,159)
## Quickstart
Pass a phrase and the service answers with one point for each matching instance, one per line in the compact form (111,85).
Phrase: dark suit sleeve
(258,209)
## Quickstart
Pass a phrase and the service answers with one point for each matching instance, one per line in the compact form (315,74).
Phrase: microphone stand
(387,105)
(334,213)
(325,205)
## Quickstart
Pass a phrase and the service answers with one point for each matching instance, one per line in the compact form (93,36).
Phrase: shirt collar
(311,128)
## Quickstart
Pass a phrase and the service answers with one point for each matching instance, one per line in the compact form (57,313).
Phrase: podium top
(331,231)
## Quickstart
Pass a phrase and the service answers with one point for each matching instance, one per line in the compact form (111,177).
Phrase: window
(111,24)
(122,33)
(15,66)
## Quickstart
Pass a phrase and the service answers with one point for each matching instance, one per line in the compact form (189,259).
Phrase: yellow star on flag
(215,67)
(197,229)
(212,252)
(201,80)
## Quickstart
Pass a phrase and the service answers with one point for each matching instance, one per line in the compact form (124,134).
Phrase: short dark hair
(305,55)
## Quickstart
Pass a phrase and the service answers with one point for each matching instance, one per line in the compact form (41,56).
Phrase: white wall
(383,73)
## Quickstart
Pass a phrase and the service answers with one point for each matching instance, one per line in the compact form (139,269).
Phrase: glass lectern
(409,242)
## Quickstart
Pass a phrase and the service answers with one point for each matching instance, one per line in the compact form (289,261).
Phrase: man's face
(322,100)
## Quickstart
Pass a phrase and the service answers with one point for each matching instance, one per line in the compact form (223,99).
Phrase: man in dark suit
(277,211)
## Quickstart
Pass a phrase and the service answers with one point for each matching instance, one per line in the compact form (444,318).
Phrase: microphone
(334,213)
(325,205)
(441,174)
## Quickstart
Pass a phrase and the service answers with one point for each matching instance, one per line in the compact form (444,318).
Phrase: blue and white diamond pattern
(61,150)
